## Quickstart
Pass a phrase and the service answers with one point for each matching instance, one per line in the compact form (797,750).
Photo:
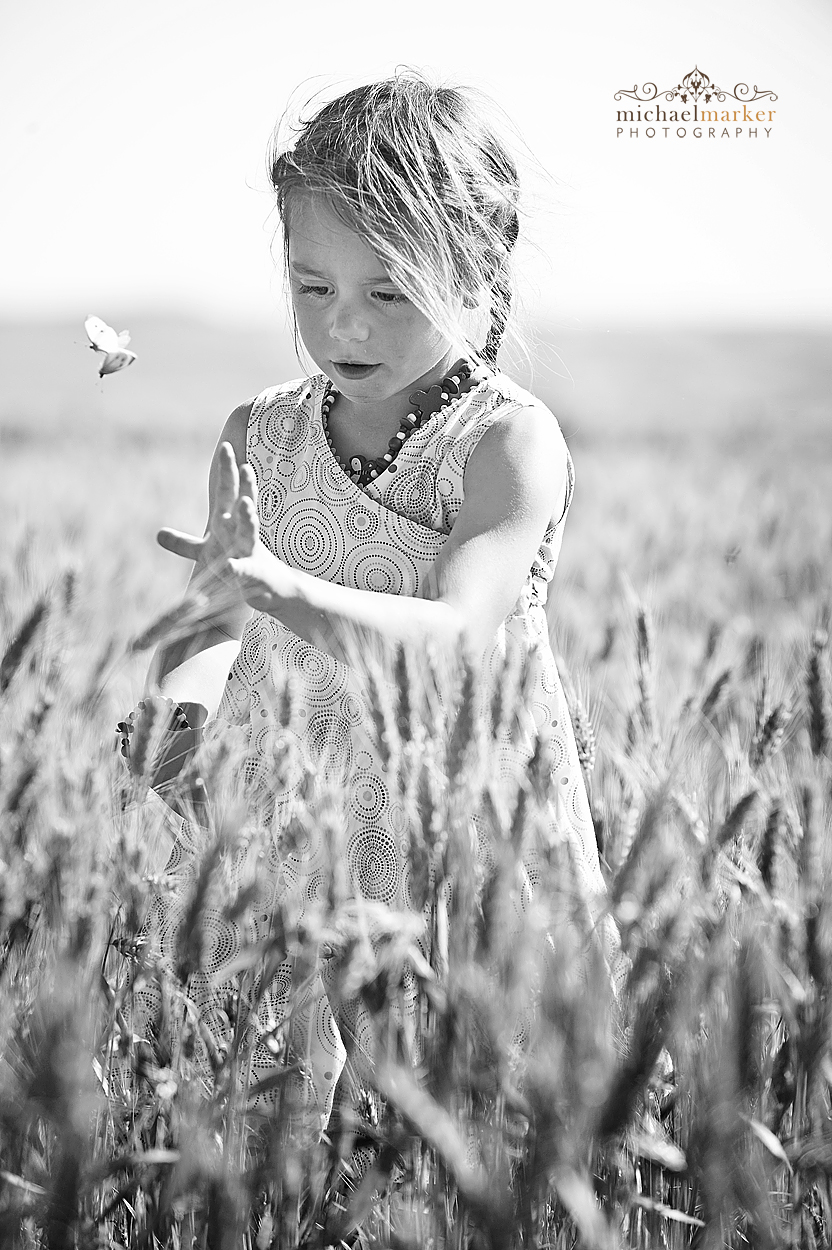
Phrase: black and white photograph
(415,610)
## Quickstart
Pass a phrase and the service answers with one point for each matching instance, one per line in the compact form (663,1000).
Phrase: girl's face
(356,324)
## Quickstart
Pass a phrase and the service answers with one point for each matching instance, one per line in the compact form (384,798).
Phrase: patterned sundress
(384,538)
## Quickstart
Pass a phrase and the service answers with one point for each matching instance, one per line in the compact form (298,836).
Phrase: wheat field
(532,1108)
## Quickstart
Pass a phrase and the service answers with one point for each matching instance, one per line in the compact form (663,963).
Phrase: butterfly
(103,338)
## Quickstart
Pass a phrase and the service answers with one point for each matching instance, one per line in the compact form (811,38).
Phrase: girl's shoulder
(506,411)
(511,398)
(296,391)
(497,431)
(256,415)
(497,414)
(524,439)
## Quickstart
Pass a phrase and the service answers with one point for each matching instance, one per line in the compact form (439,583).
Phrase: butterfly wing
(116,360)
(102,337)
(123,338)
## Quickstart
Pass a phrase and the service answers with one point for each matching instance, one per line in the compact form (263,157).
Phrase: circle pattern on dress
(361,523)
(255,655)
(320,678)
(369,796)
(309,538)
(378,568)
(221,940)
(270,502)
(421,543)
(331,482)
(301,478)
(374,864)
(549,679)
(330,740)
(413,493)
(397,816)
(353,709)
(286,431)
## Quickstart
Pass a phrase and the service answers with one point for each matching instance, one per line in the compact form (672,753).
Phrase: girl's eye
(304,289)
(390,297)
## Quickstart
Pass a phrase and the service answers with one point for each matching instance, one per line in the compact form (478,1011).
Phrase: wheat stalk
(817,683)
(769,738)
(774,833)
(19,647)
(643,722)
(715,696)
(585,738)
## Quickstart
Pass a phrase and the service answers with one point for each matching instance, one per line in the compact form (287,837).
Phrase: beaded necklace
(362,469)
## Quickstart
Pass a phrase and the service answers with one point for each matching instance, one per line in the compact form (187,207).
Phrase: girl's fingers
(248,482)
(228,485)
(246,525)
(185,545)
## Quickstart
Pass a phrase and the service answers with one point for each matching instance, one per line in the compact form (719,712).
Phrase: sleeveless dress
(383,538)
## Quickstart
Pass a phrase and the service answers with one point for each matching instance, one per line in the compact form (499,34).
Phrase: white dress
(384,537)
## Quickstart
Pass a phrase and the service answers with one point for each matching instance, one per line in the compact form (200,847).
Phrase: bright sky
(133,136)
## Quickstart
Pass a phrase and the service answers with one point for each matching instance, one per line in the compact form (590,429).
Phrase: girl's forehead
(313,226)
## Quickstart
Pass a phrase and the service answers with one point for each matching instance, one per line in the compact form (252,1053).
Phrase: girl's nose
(347,324)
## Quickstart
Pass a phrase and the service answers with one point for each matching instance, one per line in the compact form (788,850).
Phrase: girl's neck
(363,444)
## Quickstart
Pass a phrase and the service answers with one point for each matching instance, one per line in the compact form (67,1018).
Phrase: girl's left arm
(515,484)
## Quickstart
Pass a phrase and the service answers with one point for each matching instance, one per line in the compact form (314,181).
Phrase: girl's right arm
(192,670)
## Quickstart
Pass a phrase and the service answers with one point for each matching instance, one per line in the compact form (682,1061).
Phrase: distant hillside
(189,375)
(685,380)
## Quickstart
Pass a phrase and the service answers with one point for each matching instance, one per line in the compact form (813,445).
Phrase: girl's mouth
(352,370)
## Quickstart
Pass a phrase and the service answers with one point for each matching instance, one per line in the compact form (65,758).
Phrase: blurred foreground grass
(690,608)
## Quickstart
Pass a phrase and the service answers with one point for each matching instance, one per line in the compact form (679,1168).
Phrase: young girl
(407,491)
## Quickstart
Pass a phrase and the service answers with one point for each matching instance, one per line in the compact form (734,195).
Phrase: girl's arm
(515,484)
(192,670)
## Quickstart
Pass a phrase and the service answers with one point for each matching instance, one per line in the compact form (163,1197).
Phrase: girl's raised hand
(264,581)
(213,610)
(223,537)
(231,563)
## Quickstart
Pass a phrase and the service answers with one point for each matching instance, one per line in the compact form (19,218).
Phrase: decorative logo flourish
(696,85)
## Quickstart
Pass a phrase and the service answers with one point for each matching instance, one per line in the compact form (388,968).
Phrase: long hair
(421,176)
